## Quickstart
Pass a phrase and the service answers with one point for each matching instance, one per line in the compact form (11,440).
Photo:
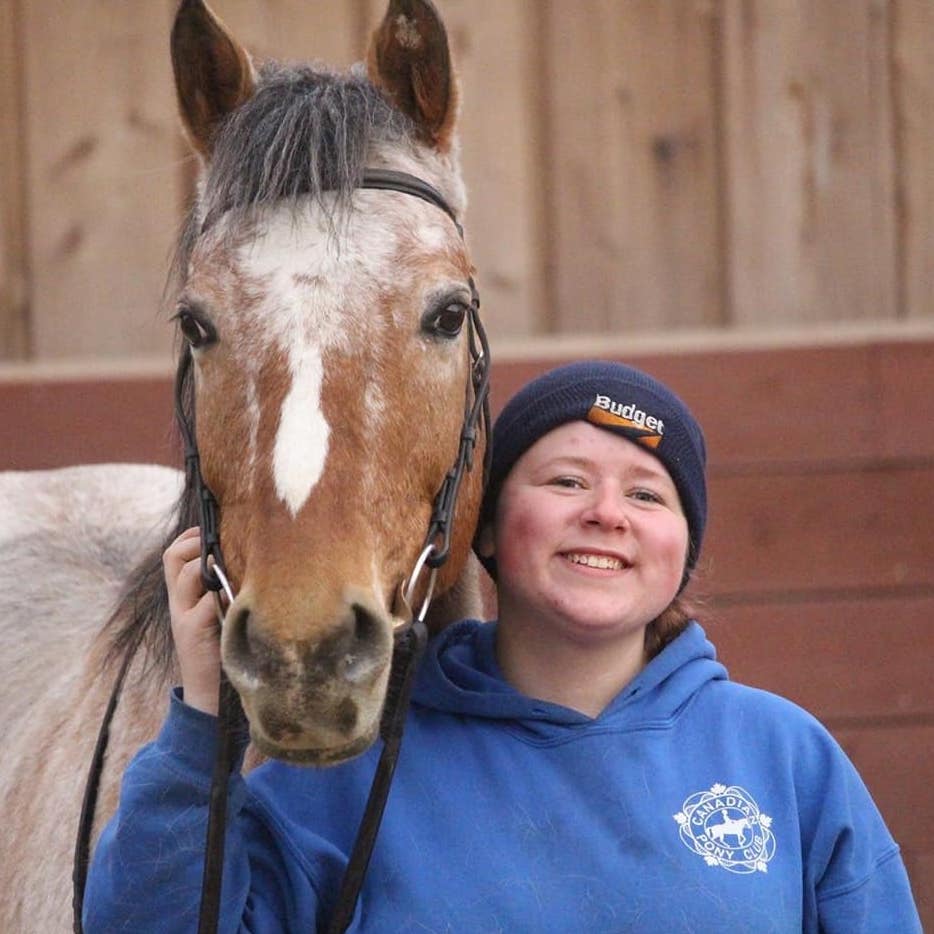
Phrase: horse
(326,368)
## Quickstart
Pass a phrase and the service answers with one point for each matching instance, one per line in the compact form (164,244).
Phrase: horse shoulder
(68,540)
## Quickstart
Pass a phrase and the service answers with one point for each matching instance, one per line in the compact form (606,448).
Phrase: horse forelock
(305,131)
(309,131)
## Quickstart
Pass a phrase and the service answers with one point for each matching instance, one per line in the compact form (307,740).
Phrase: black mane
(304,132)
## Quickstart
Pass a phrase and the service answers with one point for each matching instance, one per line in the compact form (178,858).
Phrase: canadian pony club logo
(726,827)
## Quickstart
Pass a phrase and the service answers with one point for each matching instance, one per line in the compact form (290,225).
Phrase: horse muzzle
(315,700)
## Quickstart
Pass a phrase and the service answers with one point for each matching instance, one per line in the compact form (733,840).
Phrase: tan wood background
(635,165)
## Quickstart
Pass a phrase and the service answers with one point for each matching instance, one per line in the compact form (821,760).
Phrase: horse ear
(409,60)
(213,73)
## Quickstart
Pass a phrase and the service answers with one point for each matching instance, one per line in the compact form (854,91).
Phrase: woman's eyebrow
(567,460)
(576,460)
(641,470)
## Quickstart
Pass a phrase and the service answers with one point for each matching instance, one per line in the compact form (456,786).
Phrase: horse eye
(196,328)
(445,321)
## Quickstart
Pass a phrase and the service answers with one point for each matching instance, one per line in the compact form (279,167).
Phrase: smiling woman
(583,763)
(590,543)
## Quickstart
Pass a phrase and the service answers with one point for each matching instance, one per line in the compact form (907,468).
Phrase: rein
(410,638)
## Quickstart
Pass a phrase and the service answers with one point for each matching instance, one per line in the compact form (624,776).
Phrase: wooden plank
(807,118)
(897,766)
(792,407)
(914,91)
(86,421)
(841,659)
(103,181)
(14,284)
(903,394)
(783,534)
(633,164)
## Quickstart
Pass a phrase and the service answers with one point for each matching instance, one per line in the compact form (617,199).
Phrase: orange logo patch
(640,427)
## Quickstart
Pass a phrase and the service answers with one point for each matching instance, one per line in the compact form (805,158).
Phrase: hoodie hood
(460,675)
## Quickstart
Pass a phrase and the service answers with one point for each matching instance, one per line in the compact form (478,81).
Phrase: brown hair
(670,624)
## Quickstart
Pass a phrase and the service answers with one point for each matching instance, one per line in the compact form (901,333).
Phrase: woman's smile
(596,560)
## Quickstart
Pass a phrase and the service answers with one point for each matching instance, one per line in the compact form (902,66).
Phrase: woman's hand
(194,622)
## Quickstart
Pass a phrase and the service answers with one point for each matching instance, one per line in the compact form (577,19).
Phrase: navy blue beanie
(620,399)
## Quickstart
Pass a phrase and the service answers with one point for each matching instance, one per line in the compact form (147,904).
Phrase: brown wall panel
(821,531)
(80,421)
(920,865)
(898,768)
(842,659)
(793,406)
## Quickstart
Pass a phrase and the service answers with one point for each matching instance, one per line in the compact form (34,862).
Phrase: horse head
(331,363)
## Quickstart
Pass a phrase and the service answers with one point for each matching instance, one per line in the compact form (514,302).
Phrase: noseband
(410,635)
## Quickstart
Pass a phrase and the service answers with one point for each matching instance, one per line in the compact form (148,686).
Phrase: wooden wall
(634,165)
(817,573)
(686,172)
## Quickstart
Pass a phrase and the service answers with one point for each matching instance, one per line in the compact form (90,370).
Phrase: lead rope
(82,860)
(406,655)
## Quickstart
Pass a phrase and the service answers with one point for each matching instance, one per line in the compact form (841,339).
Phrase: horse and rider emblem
(726,827)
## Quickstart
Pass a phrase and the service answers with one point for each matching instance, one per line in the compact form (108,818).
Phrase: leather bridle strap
(82,858)
(408,650)
(389,180)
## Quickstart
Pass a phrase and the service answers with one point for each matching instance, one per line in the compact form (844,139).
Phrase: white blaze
(320,290)
(316,299)
(302,440)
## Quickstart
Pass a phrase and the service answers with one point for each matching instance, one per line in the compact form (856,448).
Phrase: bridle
(409,638)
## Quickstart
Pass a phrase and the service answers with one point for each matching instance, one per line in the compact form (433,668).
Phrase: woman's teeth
(604,562)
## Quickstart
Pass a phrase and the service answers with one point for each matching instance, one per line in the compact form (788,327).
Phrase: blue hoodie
(691,804)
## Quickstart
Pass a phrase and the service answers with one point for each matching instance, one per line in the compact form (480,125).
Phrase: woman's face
(589,537)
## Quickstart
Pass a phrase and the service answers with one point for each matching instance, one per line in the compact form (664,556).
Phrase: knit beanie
(617,398)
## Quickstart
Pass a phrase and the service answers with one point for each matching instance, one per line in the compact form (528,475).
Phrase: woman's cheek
(516,537)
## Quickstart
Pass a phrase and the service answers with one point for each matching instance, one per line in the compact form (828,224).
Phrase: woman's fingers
(194,621)
(185,548)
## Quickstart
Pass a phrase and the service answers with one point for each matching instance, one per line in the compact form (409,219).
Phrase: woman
(581,765)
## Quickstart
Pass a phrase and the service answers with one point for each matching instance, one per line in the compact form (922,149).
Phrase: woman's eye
(195,328)
(646,496)
(446,321)
(571,483)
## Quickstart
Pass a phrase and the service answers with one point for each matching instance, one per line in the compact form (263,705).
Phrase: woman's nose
(606,508)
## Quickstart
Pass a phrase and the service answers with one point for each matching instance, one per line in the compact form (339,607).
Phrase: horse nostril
(366,626)
(238,646)
(363,651)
